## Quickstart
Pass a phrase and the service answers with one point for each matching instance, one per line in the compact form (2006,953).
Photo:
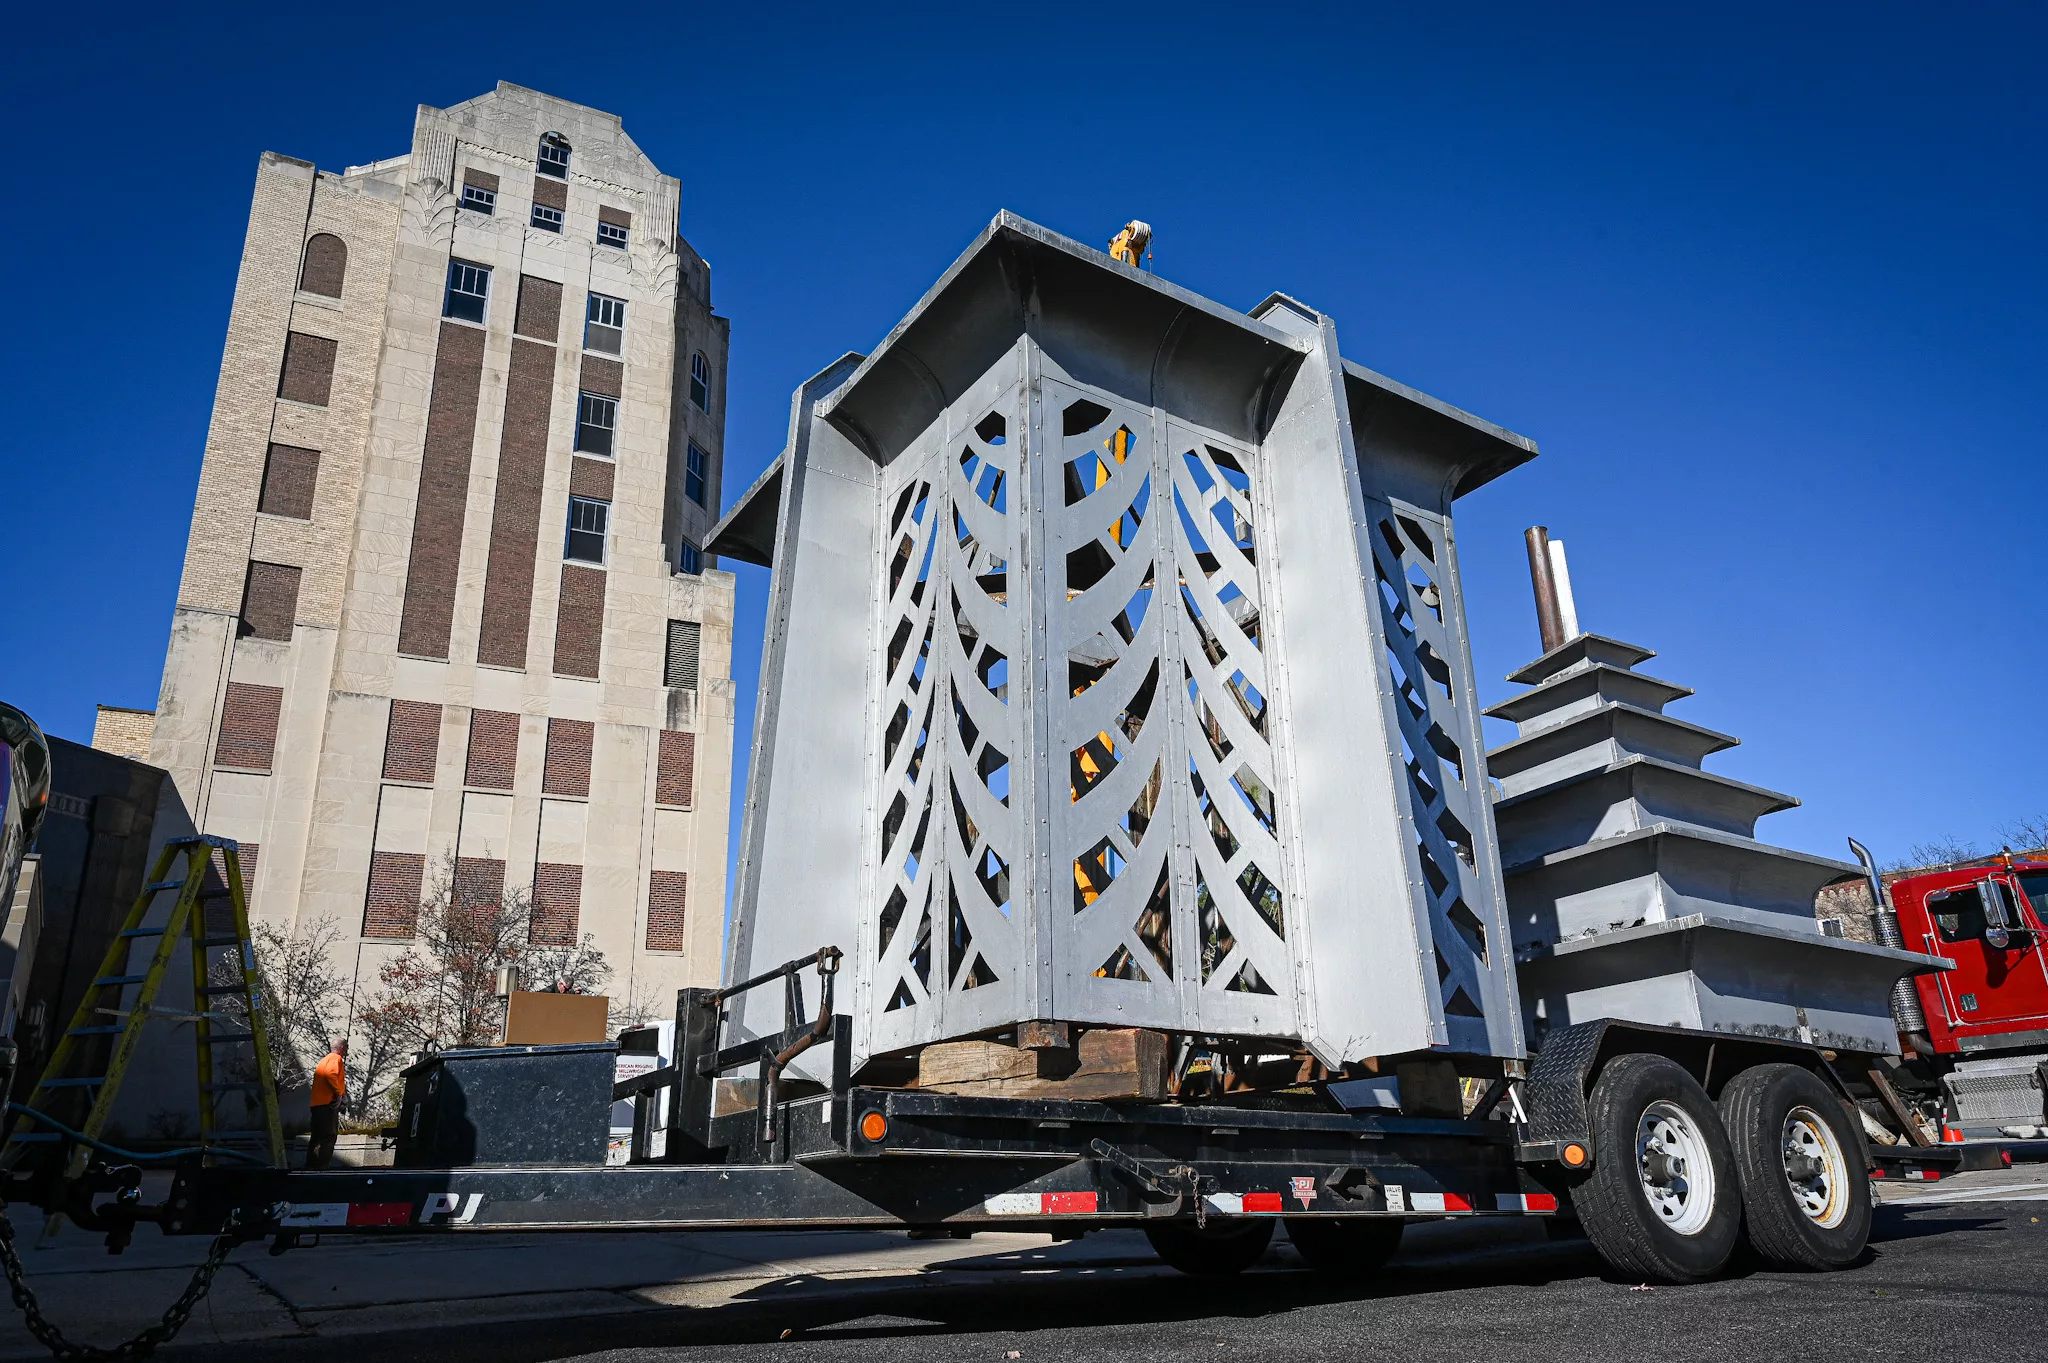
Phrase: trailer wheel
(1802,1164)
(1350,1248)
(1214,1251)
(1662,1201)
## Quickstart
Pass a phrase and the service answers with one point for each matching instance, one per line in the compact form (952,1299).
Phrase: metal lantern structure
(1117,674)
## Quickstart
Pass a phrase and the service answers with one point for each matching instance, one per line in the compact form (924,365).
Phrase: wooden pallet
(1111,1063)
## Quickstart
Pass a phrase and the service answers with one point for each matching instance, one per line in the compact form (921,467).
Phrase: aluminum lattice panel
(1445,765)
(946,954)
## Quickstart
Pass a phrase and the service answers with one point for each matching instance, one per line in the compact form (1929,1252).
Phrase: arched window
(554,156)
(700,381)
(325,265)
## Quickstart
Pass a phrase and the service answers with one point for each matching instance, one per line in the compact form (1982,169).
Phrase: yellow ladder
(80,1042)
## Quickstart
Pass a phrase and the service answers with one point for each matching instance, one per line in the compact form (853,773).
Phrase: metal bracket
(1169,1187)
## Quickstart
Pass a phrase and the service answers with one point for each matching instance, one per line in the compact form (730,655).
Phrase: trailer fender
(1564,1070)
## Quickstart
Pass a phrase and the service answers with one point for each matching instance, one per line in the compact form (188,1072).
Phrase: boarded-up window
(675,768)
(270,601)
(248,727)
(568,764)
(325,266)
(681,669)
(579,621)
(667,895)
(392,909)
(540,308)
(413,742)
(493,749)
(557,908)
(289,476)
(213,891)
(479,882)
(308,369)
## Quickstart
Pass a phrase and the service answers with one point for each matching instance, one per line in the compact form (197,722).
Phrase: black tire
(1785,1123)
(1350,1248)
(1215,1251)
(1688,1163)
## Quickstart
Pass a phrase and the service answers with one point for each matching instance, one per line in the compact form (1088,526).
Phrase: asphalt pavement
(1957,1270)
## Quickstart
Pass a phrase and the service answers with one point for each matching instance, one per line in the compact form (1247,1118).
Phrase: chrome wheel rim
(1675,1168)
(1815,1169)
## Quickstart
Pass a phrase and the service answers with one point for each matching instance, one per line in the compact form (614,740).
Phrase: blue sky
(1765,284)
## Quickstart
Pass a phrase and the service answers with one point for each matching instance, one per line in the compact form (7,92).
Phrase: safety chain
(144,1344)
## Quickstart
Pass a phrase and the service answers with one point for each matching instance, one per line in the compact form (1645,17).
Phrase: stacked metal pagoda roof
(1636,887)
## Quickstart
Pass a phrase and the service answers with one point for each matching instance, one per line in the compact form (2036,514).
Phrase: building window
(604,327)
(554,156)
(700,381)
(694,467)
(477,199)
(690,560)
(547,219)
(680,669)
(587,520)
(597,416)
(611,234)
(469,289)
(325,266)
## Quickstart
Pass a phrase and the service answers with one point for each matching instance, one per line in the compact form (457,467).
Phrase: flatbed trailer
(1206,1179)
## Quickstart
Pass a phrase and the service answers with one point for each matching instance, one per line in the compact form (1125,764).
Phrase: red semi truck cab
(1992,921)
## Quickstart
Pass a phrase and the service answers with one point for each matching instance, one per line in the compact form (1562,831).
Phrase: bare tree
(2026,835)
(442,991)
(1942,851)
(305,995)
(637,1009)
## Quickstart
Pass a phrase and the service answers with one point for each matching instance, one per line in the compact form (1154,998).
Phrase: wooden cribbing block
(1119,1063)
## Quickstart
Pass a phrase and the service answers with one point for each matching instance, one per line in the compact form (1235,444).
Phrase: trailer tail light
(874,1126)
(1573,1155)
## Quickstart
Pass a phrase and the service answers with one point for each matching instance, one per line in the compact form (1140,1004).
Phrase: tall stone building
(444,603)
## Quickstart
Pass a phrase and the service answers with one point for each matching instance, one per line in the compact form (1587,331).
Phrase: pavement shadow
(996,1294)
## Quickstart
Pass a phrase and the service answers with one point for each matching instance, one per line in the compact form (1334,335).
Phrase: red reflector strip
(1439,1202)
(1262,1202)
(380,1214)
(1039,1204)
(1524,1202)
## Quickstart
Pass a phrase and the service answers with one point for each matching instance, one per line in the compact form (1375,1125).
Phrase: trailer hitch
(1171,1185)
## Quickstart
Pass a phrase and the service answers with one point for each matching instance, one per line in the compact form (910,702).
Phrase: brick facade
(667,898)
(412,742)
(493,749)
(326,266)
(557,906)
(579,621)
(604,376)
(568,762)
(308,372)
(675,770)
(248,727)
(429,613)
(592,478)
(479,882)
(540,309)
(270,601)
(515,520)
(550,192)
(397,880)
(289,476)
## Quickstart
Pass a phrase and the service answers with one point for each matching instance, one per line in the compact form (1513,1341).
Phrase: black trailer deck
(837,1155)
(939,1161)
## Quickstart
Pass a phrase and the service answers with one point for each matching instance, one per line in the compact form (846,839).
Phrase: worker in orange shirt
(330,1084)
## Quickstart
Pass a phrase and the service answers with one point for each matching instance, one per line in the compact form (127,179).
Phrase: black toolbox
(507,1105)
